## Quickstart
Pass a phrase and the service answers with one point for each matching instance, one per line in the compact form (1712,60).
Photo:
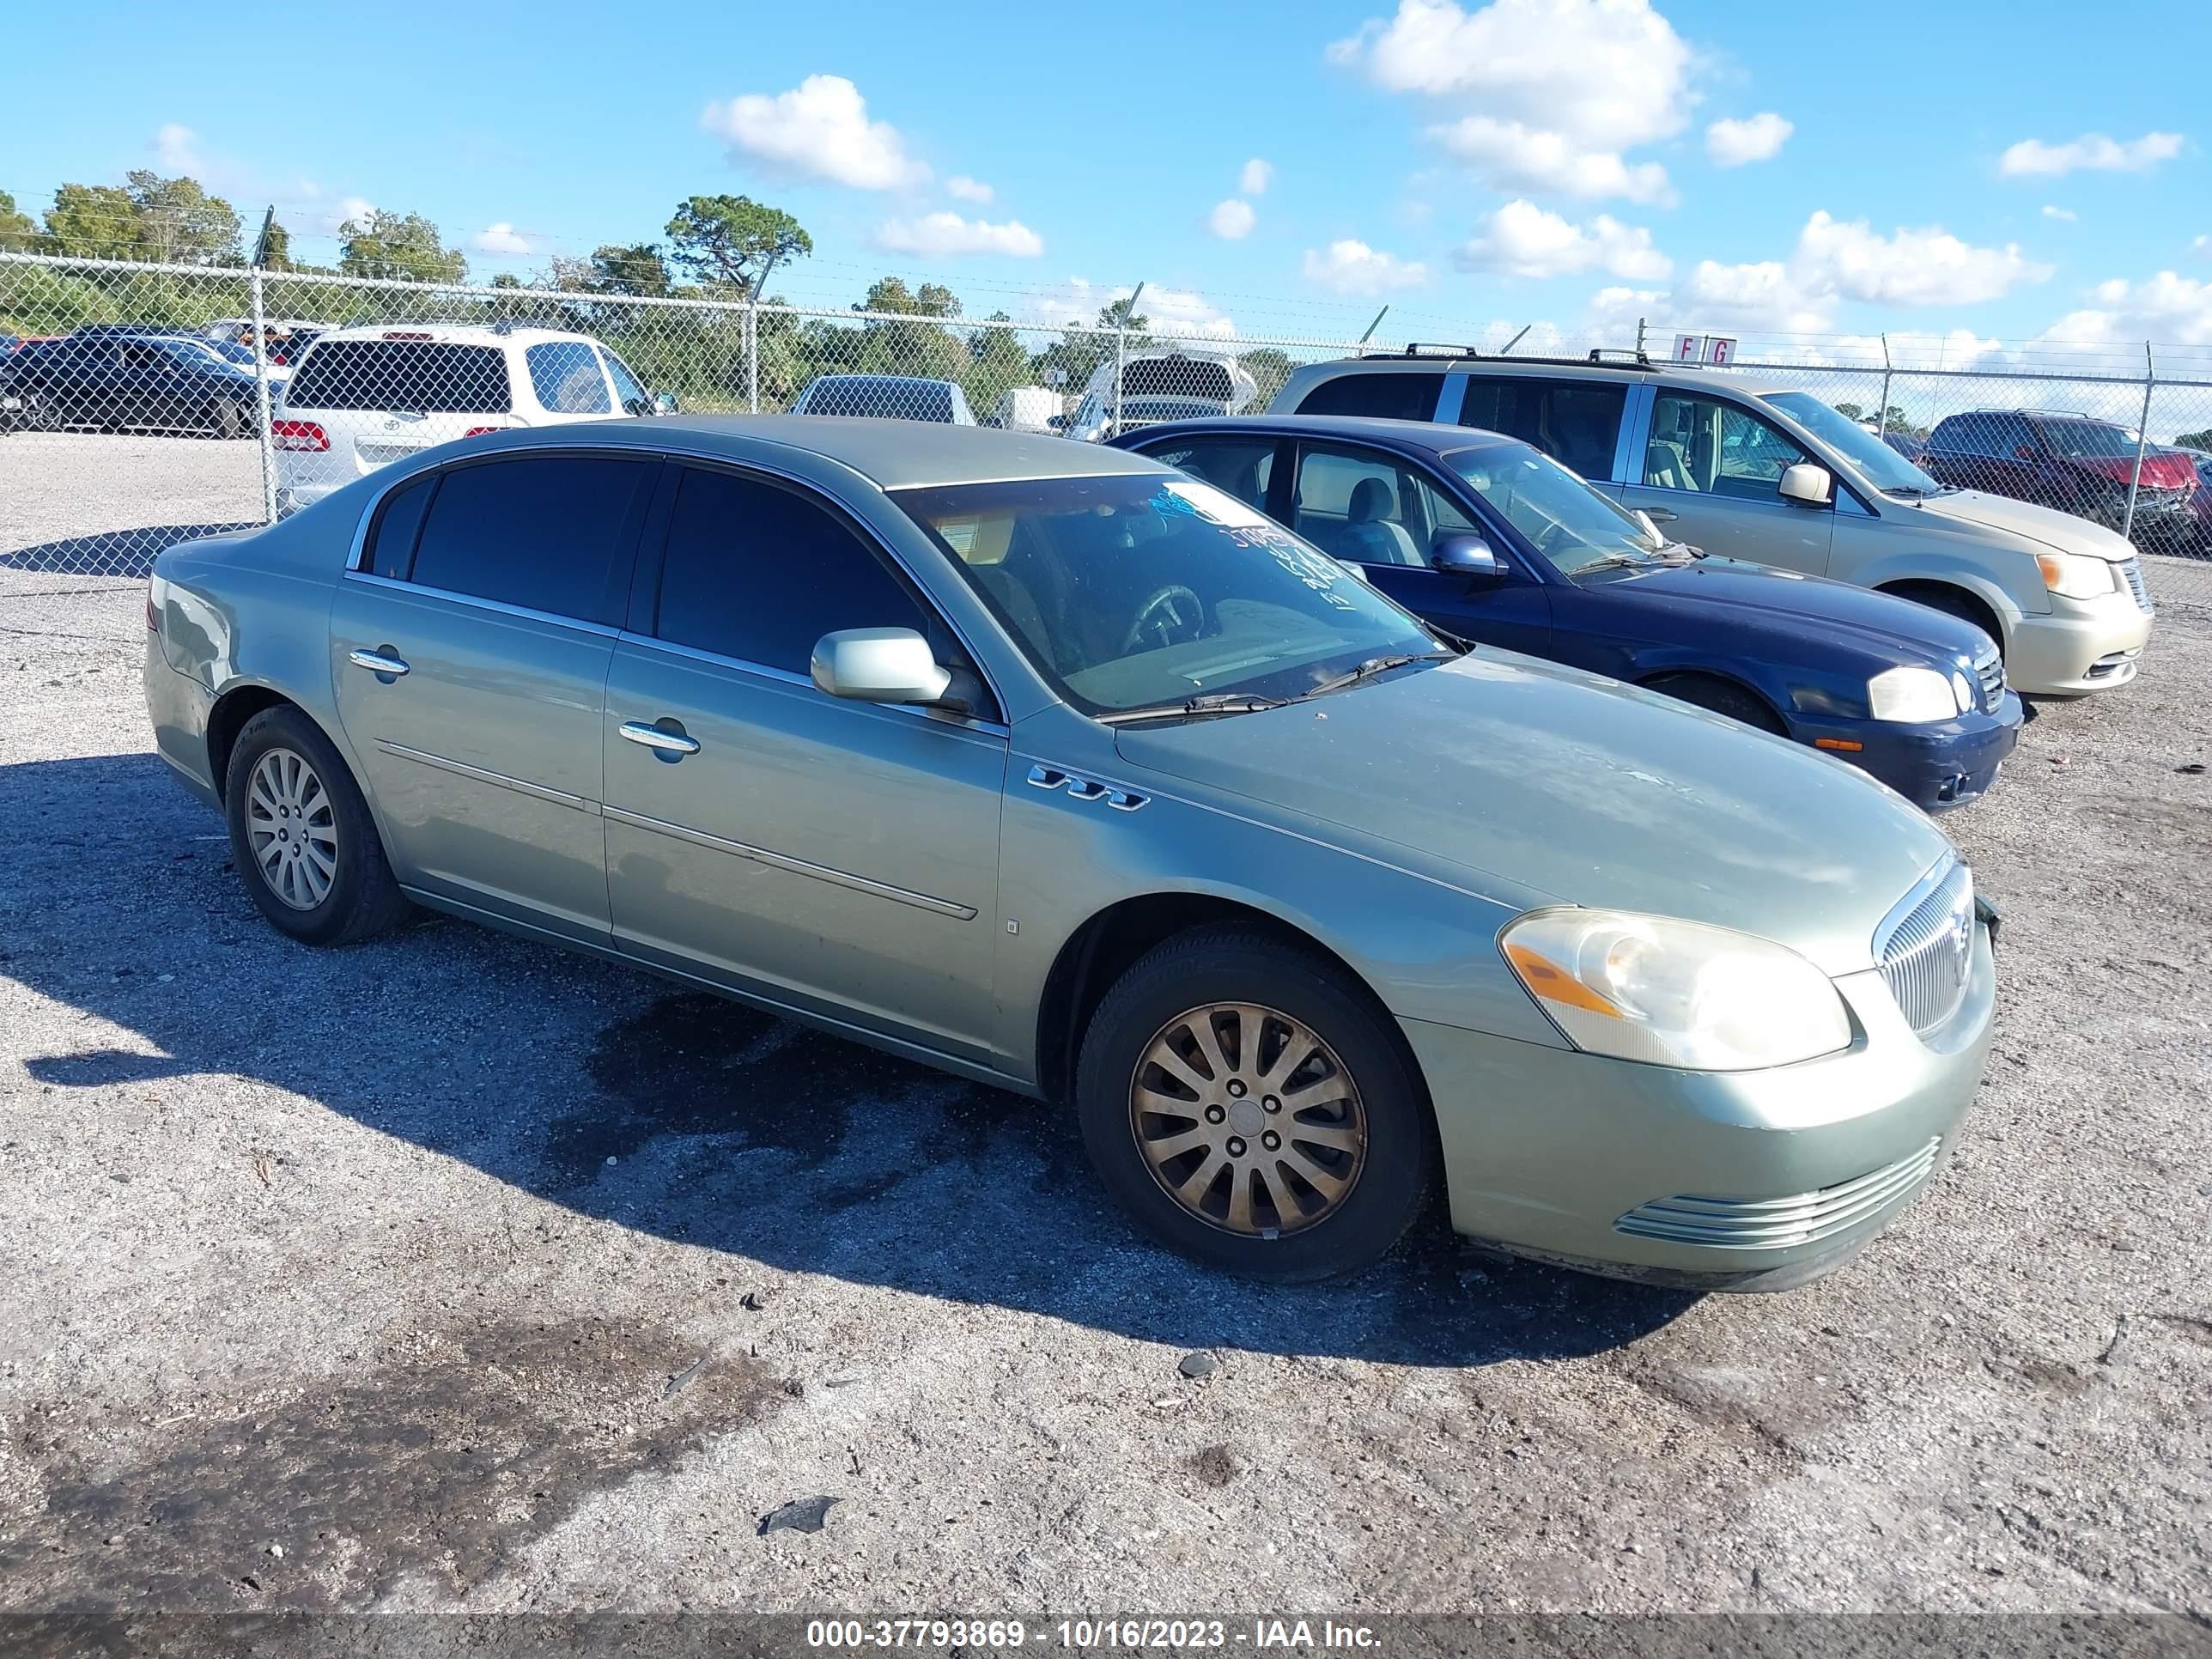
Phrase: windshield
(2091,439)
(1144,590)
(229,350)
(1568,522)
(1876,462)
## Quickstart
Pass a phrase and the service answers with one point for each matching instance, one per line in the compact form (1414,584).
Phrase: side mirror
(879,664)
(664,402)
(1057,423)
(1465,554)
(2023,451)
(1808,485)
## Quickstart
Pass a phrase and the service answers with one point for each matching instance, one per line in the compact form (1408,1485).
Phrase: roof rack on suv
(2030,409)
(1599,356)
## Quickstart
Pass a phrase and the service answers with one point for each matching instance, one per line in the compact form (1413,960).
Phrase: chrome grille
(1990,672)
(1926,947)
(2132,570)
(1774,1224)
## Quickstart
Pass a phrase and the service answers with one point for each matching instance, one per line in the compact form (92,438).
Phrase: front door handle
(1661,514)
(669,745)
(382,661)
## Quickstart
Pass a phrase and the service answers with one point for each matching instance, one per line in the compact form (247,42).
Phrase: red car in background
(2074,462)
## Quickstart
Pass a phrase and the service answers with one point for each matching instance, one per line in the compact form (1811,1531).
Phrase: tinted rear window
(1386,397)
(426,377)
(1576,422)
(896,400)
(545,533)
(1178,377)
(392,542)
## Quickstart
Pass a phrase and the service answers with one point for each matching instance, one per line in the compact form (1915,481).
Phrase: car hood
(2043,526)
(1811,610)
(1567,787)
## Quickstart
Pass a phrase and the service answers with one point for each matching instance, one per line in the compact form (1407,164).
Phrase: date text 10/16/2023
(1259,1635)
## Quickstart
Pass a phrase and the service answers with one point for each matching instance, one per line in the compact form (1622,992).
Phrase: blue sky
(1970,173)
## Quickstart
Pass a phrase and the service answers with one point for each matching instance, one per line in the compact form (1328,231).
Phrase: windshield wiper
(1211,703)
(1371,667)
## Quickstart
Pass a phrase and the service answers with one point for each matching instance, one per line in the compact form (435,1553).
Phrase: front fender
(1425,946)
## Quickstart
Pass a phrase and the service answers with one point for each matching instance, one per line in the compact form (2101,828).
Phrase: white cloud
(176,147)
(1352,267)
(1734,143)
(819,129)
(947,235)
(1556,90)
(1254,177)
(1510,155)
(355,210)
(500,238)
(2169,307)
(1832,263)
(2092,152)
(1232,219)
(1183,312)
(2065,216)
(1913,267)
(1522,239)
(2202,245)
(968,190)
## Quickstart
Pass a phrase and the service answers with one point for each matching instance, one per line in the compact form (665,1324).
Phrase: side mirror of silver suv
(1808,485)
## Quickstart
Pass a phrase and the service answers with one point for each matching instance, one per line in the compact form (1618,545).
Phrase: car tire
(227,418)
(1720,698)
(1360,1087)
(302,837)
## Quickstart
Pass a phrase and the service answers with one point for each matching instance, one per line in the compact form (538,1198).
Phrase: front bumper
(2082,645)
(1935,766)
(1564,1156)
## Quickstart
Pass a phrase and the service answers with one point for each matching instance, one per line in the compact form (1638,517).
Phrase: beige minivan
(1756,470)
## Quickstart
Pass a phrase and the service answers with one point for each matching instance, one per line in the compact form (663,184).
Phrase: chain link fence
(144,403)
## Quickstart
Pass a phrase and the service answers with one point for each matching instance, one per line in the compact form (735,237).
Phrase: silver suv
(1756,470)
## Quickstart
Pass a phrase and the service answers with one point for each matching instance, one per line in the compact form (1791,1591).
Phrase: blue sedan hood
(1706,591)
(1574,788)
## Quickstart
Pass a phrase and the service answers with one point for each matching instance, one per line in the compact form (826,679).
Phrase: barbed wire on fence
(330,376)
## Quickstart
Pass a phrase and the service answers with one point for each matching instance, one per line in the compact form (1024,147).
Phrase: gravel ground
(472,1275)
(84,503)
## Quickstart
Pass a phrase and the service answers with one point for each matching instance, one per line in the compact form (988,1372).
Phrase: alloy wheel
(1247,1119)
(292,829)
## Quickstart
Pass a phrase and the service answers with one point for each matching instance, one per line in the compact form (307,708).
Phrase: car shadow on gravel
(671,1111)
(113,553)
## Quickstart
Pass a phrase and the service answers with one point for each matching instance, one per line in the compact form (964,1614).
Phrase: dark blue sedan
(1489,539)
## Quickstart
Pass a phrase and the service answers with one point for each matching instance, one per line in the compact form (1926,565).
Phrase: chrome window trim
(477,603)
(785,676)
(835,877)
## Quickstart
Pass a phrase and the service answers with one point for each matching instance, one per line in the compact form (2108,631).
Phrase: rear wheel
(301,834)
(227,418)
(1721,698)
(1250,1107)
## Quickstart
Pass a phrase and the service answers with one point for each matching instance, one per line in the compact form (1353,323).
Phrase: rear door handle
(671,745)
(379,661)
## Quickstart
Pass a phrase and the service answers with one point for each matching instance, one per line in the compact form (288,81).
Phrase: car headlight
(2076,575)
(1915,697)
(1671,993)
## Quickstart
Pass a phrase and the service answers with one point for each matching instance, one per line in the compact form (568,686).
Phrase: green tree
(179,223)
(638,268)
(922,348)
(727,242)
(997,360)
(2195,440)
(1268,368)
(406,246)
(1850,411)
(18,231)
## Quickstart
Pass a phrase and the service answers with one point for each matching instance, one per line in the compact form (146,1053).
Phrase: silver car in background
(1047,765)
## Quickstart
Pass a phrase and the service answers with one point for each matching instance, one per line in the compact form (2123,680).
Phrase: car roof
(1653,369)
(877,379)
(891,454)
(1431,438)
(450,333)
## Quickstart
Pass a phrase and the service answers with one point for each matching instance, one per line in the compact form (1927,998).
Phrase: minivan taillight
(298,435)
(478,431)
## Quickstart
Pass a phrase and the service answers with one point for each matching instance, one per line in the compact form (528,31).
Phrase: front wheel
(1250,1106)
(227,418)
(1720,698)
(301,834)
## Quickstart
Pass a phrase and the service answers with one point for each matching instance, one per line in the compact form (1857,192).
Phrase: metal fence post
(2142,442)
(1881,421)
(752,354)
(263,437)
(1120,362)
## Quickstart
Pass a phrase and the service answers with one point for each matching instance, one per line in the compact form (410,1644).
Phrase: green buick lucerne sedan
(1049,766)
